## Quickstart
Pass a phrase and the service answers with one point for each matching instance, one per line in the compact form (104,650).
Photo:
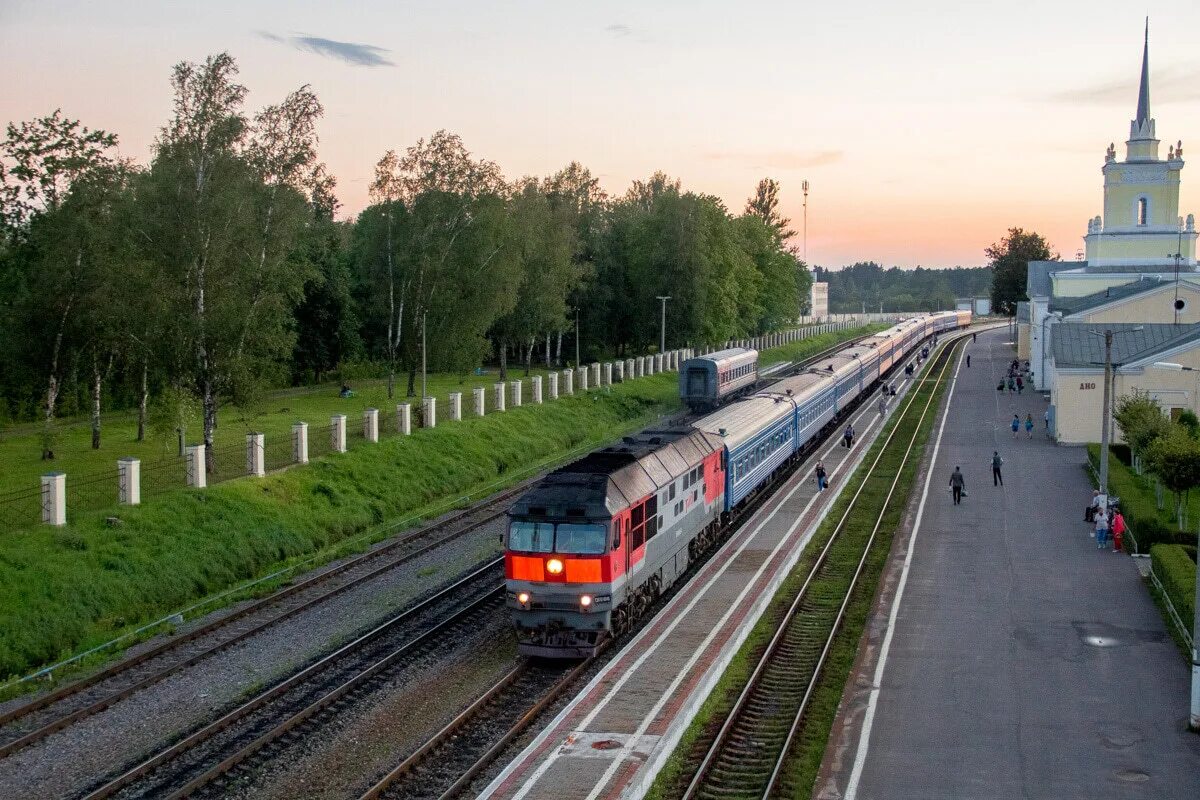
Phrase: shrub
(1177,573)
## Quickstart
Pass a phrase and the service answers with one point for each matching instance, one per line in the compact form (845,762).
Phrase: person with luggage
(822,477)
(957,484)
(848,437)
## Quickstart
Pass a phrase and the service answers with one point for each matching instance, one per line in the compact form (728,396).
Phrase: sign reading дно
(1087,386)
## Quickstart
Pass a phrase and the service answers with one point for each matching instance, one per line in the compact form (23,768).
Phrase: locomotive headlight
(585,601)
(554,566)
(523,598)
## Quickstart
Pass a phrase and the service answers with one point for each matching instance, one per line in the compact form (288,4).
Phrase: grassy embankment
(807,752)
(63,591)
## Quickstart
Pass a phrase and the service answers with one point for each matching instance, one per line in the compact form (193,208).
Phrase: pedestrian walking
(997,462)
(1029,425)
(848,437)
(1046,417)
(957,484)
(883,403)
(1016,425)
(968,360)
(822,478)
(973,335)
(1101,528)
(1020,384)
(1118,529)
(1012,385)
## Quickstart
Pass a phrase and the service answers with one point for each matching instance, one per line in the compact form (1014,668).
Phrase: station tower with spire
(1142,225)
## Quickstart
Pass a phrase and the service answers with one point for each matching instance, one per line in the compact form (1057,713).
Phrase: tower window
(1142,208)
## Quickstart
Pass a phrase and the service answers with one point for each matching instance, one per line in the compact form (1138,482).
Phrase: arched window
(1143,208)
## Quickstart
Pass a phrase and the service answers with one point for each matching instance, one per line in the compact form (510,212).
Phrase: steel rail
(244,710)
(174,643)
(739,709)
(464,718)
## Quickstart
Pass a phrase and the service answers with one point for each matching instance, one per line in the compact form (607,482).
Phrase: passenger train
(592,544)
(707,381)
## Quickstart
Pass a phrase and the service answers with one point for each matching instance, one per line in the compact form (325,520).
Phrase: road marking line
(864,737)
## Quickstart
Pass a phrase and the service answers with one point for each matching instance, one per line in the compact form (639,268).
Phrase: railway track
(44,715)
(301,704)
(448,762)
(748,756)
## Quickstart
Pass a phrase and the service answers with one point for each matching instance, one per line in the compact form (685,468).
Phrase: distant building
(979,306)
(819,299)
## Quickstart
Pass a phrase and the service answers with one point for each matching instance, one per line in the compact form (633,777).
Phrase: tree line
(220,268)
(868,286)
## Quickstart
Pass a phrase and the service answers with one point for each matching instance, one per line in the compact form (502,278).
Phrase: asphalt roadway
(1023,662)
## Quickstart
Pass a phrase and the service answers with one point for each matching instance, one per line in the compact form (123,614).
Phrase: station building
(1139,271)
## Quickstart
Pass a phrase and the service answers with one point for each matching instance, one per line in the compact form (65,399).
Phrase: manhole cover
(1133,776)
(1101,641)
(606,744)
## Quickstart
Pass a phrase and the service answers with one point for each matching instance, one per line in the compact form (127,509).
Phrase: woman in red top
(1118,528)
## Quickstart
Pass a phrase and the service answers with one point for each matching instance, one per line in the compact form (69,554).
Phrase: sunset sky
(926,130)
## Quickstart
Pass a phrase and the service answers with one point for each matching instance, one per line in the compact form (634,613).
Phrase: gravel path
(68,762)
(371,738)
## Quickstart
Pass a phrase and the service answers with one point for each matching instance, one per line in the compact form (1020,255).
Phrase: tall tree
(765,205)
(48,161)
(224,211)
(1009,259)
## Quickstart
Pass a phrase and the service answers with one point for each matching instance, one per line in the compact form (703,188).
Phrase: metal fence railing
(163,475)
(20,508)
(92,491)
(277,452)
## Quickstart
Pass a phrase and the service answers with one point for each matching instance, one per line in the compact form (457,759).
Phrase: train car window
(637,538)
(531,537)
(571,537)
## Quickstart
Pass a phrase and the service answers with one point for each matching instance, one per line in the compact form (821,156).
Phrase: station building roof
(1076,305)
(1074,345)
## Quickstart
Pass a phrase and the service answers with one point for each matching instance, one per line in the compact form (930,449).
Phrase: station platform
(613,737)
(1007,656)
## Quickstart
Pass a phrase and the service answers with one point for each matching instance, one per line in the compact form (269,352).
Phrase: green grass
(63,591)
(808,751)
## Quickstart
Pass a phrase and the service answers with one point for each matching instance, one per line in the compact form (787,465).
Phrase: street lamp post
(1194,713)
(662,339)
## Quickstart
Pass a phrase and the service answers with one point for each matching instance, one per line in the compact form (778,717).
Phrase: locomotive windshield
(562,537)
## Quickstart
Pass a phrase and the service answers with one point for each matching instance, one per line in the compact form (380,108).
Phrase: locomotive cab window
(589,539)
(531,537)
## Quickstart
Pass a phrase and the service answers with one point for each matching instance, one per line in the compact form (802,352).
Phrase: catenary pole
(1108,337)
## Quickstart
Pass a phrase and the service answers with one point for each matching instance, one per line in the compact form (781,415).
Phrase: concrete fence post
(196,476)
(404,418)
(300,443)
(429,412)
(455,406)
(620,371)
(480,401)
(498,395)
(595,374)
(608,373)
(552,385)
(584,372)
(568,382)
(516,393)
(54,498)
(371,424)
(658,362)
(129,481)
(536,380)
(255,455)
(337,433)
(650,365)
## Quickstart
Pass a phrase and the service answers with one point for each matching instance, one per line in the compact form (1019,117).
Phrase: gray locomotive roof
(743,419)
(608,480)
